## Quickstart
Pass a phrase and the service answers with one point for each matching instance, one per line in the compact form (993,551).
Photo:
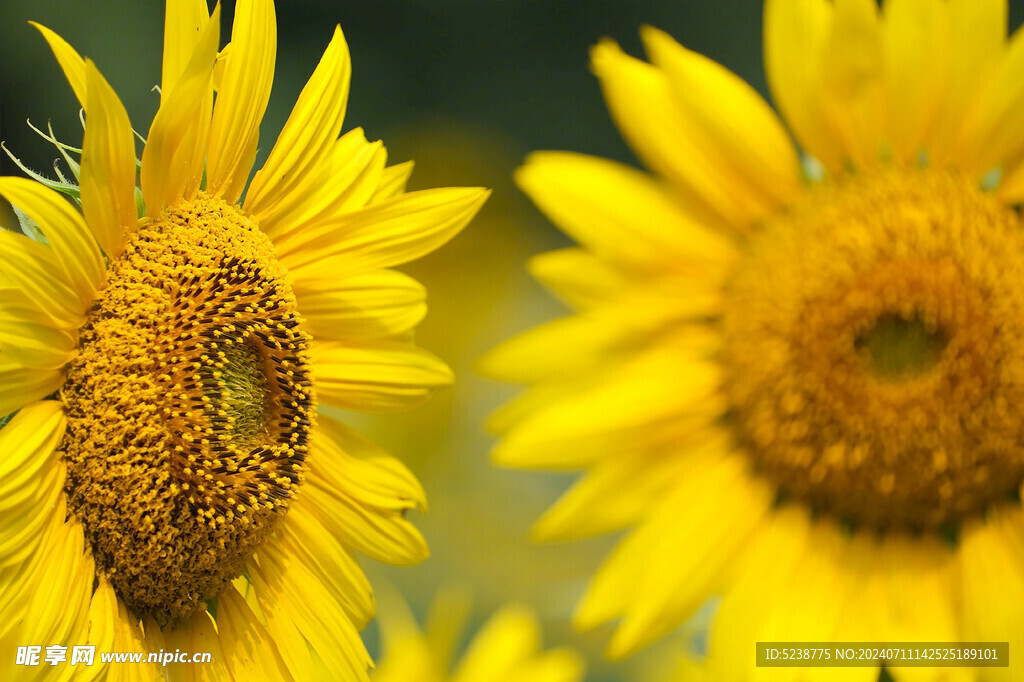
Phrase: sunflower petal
(172,161)
(23,385)
(381,378)
(640,99)
(311,129)
(32,344)
(108,165)
(28,267)
(390,233)
(853,79)
(731,117)
(376,304)
(81,263)
(620,213)
(795,35)
(249,650)
(915,34)
(183,26)
(242,98)
(283,581)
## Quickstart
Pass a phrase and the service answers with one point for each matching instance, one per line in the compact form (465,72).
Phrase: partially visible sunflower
(166,480)
(798,379)
(506,649)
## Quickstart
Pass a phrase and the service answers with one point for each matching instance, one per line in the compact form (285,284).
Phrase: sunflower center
(875,350)
(189,408)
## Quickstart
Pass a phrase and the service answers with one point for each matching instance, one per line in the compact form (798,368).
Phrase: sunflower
(167,482)
(507,648)
(796,377)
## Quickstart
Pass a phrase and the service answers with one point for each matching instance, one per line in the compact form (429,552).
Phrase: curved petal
(241,99)
(249,651)
(344,182)
(31,477)
(795,34)
(199,634)
(28,267)
(311,129)
(23,385)
(975,44)
(183,26)
(81,263)
(853,80)
(32,343)
(376,304)
(731,119)
(915,34)
(390,233)
(172,161)
(641,100)
(385,377)
(108,165)
(620,213)
(292,593)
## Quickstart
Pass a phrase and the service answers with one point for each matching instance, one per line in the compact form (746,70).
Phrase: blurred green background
(466,88)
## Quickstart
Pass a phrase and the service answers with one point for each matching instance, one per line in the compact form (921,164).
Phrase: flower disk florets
(189,408)
(875,349)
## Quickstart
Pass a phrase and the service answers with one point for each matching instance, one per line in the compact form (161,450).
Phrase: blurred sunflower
(506,649)
(797,377)
(167,482)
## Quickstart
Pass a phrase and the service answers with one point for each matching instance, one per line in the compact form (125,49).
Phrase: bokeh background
(466,88)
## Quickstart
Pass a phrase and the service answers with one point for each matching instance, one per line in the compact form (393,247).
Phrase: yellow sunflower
(166,481)
(798,378)
(507,648)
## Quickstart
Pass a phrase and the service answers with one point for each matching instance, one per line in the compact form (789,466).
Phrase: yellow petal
(640,99)
(330,562)
(380,534)
(511,635)
(249,651)
(795,34)
(32,344)
(990,555)
(108,165)
(731,118)
(183,26)
(992,133)
(343,182)
(371,476)
(390,233)
(576,276)
(376,304)
(620,213)
(311,129)
(385,377)
(172,161)
(392,181)
(686,549)
(616,492)
(975,45)
(28,266)
(31,477)
(853,79)
(23,385)
(81,264)
(70,61)
(281,578)
(102,625)
(241,99)
(196,634)
(69,573)
(662,384)
(915,34)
